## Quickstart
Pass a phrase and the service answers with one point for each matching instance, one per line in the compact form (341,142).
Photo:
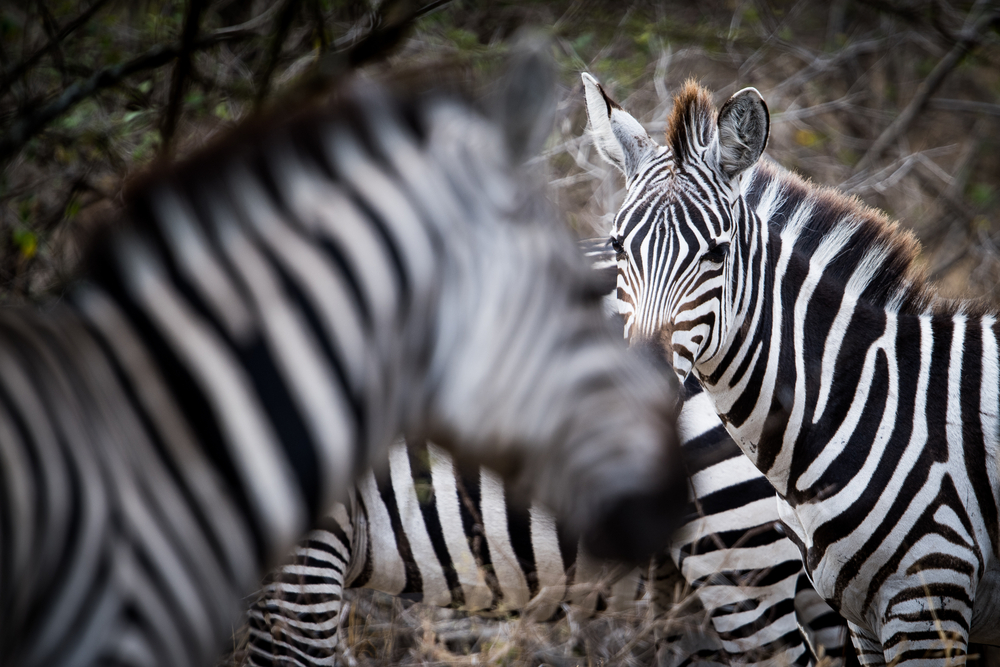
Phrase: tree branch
(274,51)
(28,125)
(18,70)
(964,105)
(966,41)
(181,70)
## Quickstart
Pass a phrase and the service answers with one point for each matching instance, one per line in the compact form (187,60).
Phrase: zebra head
(676,237)
(523,353)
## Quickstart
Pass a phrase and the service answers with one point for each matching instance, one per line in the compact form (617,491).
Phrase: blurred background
(894,101)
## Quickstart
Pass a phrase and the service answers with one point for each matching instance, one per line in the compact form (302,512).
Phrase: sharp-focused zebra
(746,574)
(872,407)
(256,329)
(427,533)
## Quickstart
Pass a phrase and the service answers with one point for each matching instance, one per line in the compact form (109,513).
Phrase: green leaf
(980,193)
(72,208)
(27,242)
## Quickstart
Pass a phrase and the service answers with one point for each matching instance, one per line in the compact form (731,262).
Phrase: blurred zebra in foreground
(257,328)
(745,572)
(872,407)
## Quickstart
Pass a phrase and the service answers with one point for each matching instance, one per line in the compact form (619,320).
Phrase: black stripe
(519,527)
(420,470)
(414,587)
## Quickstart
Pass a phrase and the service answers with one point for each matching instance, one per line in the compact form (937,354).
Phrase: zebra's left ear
(525,104)
(619,137)
(743,129)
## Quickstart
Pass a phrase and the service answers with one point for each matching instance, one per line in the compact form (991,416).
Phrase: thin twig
(274,50)
(826,63)
(182,69)
(320,28)
(384,36)
(18,70)
(966,41)
(28,125)
(964,105)
(51,29)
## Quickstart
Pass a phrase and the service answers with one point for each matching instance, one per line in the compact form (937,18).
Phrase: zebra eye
(716,252)
(617,246)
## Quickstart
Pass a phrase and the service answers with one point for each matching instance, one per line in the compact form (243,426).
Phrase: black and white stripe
(870,406)
(256,330)
(427,533)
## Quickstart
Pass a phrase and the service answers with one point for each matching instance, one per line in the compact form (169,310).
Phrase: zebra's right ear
(619,137)
(744,125)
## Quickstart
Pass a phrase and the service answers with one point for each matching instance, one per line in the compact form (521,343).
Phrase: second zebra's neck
(831,337)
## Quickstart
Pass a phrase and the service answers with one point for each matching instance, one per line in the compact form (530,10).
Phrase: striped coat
(871,406)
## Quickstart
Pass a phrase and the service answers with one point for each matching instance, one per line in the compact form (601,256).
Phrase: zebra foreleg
(296,618)
(867,645)
(926,630)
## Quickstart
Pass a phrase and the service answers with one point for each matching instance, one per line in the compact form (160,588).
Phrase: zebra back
(427,532)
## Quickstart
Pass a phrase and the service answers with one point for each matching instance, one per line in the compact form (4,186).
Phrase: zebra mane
(873,256)
(692,106)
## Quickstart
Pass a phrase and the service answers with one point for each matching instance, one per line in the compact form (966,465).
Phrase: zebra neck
(810,362)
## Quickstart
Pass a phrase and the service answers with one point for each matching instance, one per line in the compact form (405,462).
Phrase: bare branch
(181,70)
(385,34)
(28,125)
(821,64)
(274,50)
(965,105)
(18,70)
(967,41)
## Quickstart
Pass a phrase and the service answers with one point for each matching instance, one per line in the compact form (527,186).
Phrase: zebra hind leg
(295,620)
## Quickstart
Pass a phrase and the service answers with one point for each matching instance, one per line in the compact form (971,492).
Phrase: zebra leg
(684,637)
(868,647)
(296,618)
(824,630)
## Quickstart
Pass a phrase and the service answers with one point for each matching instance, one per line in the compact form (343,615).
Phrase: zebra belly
(417,545)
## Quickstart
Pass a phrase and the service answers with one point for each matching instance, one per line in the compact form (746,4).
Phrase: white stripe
(505,564)
(435,586)
(388,569)
(477,594)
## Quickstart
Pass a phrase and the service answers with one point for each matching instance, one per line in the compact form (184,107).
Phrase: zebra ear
(526,104)
(743,129)
(619,137)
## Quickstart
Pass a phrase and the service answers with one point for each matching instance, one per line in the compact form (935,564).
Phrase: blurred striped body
(871,407)
(256,331)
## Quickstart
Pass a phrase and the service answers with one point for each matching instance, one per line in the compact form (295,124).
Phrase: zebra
(255,329)
(428,533)
(732,520)
(870,404)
